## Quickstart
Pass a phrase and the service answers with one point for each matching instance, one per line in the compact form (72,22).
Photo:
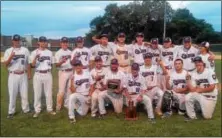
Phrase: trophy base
(131,119)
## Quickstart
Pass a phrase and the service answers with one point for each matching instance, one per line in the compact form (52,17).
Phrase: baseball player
(114,82)
(150,71)
(81,53)
(176,83)
(62,61)
(122,53)
(138,49)
(42,59)
(16,60)
(104,50)
(202,89)
(81,88)
(154,51)
(98,74)
(136,89)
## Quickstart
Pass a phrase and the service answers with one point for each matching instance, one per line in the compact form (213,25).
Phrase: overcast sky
(71,18)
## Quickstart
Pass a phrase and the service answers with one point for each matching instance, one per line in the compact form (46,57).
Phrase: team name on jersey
(42,58)
(198,82)
(145,74)
(184,56)
(137,51)
(101,53)
(80,82)
(66,57)
(176,82)
(167,53)
(81,53)
(18,56)
(133,83)
(119,52)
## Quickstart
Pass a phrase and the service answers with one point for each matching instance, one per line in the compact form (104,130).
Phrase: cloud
(179,4)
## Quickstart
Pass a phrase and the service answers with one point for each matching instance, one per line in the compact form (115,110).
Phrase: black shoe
(102,116)
(72,121)
(166,115)
(10,116)
(152,121)
(188,119)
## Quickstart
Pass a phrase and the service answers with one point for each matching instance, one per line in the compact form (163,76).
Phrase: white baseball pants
(180,98)
(18,83)
(95,102)
(156,92)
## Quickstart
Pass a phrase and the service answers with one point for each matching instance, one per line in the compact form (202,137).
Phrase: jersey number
(170,58)
(137,89)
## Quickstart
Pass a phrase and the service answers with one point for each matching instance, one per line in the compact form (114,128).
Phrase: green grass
(46,125)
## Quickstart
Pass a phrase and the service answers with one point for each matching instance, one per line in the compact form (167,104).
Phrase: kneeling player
(81,87)
(202,88)
(136,89)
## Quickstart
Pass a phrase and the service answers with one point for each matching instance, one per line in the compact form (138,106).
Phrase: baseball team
(161,77)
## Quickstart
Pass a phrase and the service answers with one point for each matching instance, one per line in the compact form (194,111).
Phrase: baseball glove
(167,101)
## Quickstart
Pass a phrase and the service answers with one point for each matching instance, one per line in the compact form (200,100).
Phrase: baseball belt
(133,93)
(168,67)
(67,70)
(105,65)
(43,71)
(17,72)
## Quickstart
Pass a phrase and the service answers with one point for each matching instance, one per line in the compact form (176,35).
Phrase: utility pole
(164,20)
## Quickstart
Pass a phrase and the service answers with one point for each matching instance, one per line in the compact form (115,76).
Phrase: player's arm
(160,62)
(208,87)
(168,84)
(8,58)
(72,86)
(190,83)
(181,90)
(34,60)
(147,44)
(212,56)
(96,40)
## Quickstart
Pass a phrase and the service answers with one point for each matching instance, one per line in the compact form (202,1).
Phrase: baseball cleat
(152,121)
(52,113)
(188,119)
(158,112)
(35,115)
(72,121)
(181,113)
(10,116)
(166,115)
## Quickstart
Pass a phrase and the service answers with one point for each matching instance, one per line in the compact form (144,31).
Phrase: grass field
(46,125)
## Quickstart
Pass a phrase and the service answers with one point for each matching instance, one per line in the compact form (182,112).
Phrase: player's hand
(12,54)
(98,78)
(211,57)
(139,98)
(176,90)
(198,90)
(37,56)
(29,76)
(63,60)
(159,61)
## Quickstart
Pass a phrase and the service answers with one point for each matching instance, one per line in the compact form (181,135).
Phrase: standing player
(81,53)
(41,60)
(114,82)
(154,51)
(98,74)
(81,87)
(149,71)
(136,89)
(202,88)
(16,60)
(62,61)
(104,50)
(176,82)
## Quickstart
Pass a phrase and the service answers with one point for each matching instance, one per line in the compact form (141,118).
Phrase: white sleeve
(32,56)
(91,81)
(143,83)
(52,58)
(72,54)
(28,55)
(105,78)
(57,57)
(212,78)
(6,55)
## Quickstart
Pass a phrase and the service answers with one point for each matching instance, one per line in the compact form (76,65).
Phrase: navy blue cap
(64,40)
(98,58)
(147,55)
(205,44)
(187,39)
(139,34)
(135,66)
(121,34)
(197,59)
(167,39)
(16,37)
(79,39)
(42,39)
(76,62)
(104,35)
(114,61)
(154,41)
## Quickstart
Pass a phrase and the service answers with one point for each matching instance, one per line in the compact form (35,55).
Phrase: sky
(55,19)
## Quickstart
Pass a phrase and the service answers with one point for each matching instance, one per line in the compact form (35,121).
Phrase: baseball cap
(205,44)
(64,40)
(114,61)
(187,39)
(104,35)
(135,66)
(139,34)
(16,37)
(76,62)
(98,58)
(42,39)
(197,59)
(121,34)
(147,55)
(154,41)
(167,39)
(79,39)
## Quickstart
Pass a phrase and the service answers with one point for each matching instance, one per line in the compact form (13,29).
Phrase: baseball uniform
(17,79)
(150,75)
(42,76)
(64,73)
(134,87)
(116,99)
(206,100)
(79,99)
(210,64)
(156,55)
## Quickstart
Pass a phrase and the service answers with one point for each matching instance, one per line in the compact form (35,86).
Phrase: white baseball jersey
(155,53)
(178,80)
(135,85)
(20,60)
(187,56)
(138,52)
(105,52)
(209,64)
(122,54)
(83,54)
(59,55)
(82,82)
(119,75)
(150,74)
(204,79)
(96,72)
(44,62)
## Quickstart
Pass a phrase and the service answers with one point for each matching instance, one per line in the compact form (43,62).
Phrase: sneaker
(52,113)
(72,120)
(181,113)
(93,115)
(166,115)
(10,116)
(152,121)
(35,115)
(188,119)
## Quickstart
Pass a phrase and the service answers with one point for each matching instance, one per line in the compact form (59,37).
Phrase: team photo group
(164,78)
